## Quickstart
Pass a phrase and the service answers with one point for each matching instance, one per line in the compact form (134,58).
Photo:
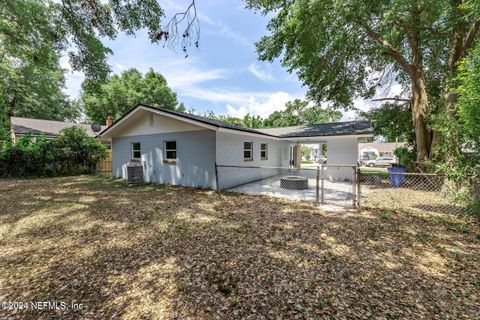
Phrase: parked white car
(381,162)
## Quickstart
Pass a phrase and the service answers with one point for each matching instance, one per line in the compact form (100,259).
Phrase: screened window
(247,151)
(170,150)
(264,151)
(136,150)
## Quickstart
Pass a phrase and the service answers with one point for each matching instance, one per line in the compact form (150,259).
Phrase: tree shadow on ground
(170,252)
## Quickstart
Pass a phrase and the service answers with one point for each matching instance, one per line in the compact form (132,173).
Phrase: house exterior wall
(229,152)
(341,150)
(195,165)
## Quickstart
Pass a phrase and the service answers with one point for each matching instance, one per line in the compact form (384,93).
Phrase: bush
(406,157)
(71,152)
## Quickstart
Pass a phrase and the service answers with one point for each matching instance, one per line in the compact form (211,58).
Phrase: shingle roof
(326,129)
(323,129)
(47,127)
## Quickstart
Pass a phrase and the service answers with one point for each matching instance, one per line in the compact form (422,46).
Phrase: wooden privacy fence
(105,165)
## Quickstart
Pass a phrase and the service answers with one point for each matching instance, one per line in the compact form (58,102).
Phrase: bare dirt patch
(170,252)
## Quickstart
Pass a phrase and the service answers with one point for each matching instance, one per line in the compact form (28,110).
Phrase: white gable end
(145,122)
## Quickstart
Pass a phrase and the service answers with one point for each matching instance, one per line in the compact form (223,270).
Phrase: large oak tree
(347,49)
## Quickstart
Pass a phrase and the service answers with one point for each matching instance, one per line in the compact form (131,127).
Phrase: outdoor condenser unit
(135,173)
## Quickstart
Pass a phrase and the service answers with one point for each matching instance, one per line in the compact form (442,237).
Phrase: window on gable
(248,151)
(170,150)
(136,150)
(264,151)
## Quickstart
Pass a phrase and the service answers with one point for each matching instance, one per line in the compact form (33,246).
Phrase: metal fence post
(359,186)
(216,177)
(354,187)
(322,187)
(317,185)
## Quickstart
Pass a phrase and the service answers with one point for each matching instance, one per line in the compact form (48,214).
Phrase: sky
(224,75)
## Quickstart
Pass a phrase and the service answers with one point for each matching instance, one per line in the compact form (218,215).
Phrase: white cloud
(259,105)
(186,77)
(228,32)
(260,74)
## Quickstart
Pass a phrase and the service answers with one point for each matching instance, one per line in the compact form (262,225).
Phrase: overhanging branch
(389,49)
(392,99)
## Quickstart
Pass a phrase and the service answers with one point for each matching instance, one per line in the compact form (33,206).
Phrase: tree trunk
(419,111)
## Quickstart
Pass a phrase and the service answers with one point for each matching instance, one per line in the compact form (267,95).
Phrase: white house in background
(183,149)
(373,150)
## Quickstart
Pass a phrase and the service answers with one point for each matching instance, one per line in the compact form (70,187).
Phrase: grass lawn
(374,171)
(143,252)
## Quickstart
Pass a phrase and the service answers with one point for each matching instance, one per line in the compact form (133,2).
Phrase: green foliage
(71,152)
(405,156)
(29,27)
(298,112)
(335,46)
(306,151)
(392,121)
(460,129)
(118,95)
(34,34)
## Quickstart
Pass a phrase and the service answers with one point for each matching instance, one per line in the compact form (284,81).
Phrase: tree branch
(392,99)
(389,49)
(470,37)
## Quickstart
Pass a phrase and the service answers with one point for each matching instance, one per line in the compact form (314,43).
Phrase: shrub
(71,152)
(406,157)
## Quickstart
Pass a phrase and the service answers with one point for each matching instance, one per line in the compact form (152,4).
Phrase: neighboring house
(182,149)
(373,150)
(49,128)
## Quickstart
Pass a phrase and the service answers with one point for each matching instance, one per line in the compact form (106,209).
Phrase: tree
(460,125)
(335,45)
(122,92)
(392,121)
(35,33)
(298,112)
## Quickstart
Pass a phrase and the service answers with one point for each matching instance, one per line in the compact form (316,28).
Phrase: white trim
(245,133)
(132,150)
(160,112)
(266,151)
(251,151)
(165,150)
(323,139)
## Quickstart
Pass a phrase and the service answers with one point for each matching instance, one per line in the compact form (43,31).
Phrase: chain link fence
(347,186)
(335,184)
(409,191)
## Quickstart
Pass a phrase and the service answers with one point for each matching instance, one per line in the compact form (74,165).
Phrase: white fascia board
(324,138)
(160,112)
(246,133)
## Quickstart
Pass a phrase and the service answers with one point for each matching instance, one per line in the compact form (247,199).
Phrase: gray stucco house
(182,149)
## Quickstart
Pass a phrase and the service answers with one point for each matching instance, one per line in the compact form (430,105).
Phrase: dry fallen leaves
(137,252)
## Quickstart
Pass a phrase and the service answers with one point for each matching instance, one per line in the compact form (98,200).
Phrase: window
(136,150)
(247,151)
(170,151)
(264,151)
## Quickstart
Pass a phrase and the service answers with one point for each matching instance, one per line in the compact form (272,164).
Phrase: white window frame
(250,150)
(165,152)
(136,150)
(266,151)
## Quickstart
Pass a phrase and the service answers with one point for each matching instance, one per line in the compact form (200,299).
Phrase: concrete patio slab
(337,193)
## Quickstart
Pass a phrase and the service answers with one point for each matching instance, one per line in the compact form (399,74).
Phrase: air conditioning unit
(134,173)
